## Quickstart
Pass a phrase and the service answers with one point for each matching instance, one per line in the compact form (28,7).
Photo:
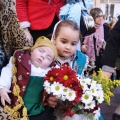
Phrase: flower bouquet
(63,83)
(78,95)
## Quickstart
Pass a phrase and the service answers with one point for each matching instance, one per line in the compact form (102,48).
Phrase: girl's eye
(74,44)
(64,42)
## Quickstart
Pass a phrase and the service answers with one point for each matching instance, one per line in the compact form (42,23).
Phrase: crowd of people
(45,34)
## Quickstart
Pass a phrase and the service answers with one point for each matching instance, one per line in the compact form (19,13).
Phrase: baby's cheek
(48,63)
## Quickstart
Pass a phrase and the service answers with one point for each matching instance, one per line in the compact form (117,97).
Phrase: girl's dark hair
(95,12)
(66,23)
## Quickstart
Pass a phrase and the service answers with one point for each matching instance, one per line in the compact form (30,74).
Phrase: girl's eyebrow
(67,40)
(63,39)
(76,41)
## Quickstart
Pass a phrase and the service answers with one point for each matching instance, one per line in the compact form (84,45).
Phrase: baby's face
(42,57)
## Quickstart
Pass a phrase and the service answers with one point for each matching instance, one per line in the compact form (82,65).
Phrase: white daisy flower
(88,81)
(71,95)
(47,87)
(99,86)
(48,90)
(84,87)
(46,84)
(82,81)
(63,97)
(93,82)
(87,97)
(100,97)
(57,89)
(90,105)
(65,91)
(93,90)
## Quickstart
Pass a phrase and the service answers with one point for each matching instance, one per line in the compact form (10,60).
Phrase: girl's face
(99,18)
(66,41)
(42,57)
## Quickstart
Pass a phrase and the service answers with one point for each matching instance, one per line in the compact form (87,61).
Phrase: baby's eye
(40,50)
(49,58)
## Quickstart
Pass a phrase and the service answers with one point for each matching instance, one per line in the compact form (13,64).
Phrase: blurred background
(109,7)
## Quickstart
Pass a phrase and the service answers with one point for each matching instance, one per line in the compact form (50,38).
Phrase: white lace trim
(37,71)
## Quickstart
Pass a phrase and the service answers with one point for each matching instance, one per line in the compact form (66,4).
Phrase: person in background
(73,11)
(116,74)
(109,58)
(105,18)
(25,73)
(112,22)
(12,36)
(110,17)
(38,17)
(94,44)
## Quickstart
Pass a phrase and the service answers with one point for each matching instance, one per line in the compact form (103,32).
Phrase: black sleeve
(106,31)
(113,46)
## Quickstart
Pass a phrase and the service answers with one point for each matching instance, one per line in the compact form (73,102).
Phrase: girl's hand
(28,36)
(52,101)
(4,95)
(84,48)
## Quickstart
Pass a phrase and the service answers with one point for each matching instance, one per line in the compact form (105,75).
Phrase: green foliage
(78,110)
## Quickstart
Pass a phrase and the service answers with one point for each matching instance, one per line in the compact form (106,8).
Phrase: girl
(66,38)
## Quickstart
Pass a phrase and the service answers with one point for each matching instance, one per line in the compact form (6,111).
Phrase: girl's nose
(68,46)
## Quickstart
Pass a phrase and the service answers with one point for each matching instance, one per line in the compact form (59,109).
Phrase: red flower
(67,76)
(92,110)
(68,112)
(52,75)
